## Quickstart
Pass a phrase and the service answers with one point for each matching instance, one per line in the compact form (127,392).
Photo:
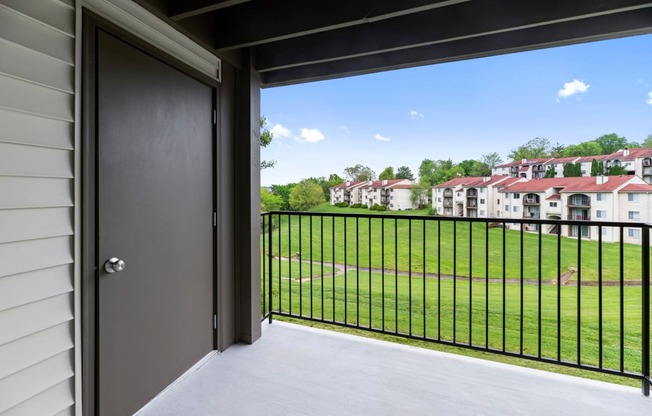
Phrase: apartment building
(393,194)
(601,198)
(634,162)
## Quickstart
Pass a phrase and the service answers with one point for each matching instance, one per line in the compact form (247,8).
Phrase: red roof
(553,196)
(637,187)
(579,184)
(474,181)
(344,185)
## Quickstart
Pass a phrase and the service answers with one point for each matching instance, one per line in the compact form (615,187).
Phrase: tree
(491,159)
(434,172)
(572,170)
(610,143)
(597,168)
(420,193)
(647,142)
(266,138)
(359,173)
(481,169)
(388,173)
(467,166)
(616,171)
(403,172)
(557,150)
(305,195)
(551,172)
(269,201)
(283,191)
(535,148)
(589,148)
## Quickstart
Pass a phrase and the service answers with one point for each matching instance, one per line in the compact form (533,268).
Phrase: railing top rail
(464,219)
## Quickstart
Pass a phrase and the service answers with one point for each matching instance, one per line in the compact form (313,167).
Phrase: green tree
(551,172)
(269,201)
(359,173)
(266,138)
(572,170)
(481,169)
(610,143)
(387,173)
(434,172)
(306,194)
(557,150)
(283,191)
(491,159)
(616,171)
(589,148)
(597,168)
(535,148)
(467,166)
(647,142)
(403,172)
(420,194)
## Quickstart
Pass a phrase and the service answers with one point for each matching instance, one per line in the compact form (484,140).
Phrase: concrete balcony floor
(295,370)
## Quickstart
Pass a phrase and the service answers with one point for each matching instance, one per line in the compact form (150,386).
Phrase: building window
(632,197)
(459,194)
(506,208)
(517,195)
(601,213)
(553,205)
(515,208)
(439,190)
(599,196)
(633,215)
(482,201)
(482,212)
(497,201)
(634,232)
(438,199)
(482,190)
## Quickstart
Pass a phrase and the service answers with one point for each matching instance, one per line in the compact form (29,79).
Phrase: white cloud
(280,131)
(649,98)
(416,114)
(572,88)
(310,136)
(382,138)
(345,129)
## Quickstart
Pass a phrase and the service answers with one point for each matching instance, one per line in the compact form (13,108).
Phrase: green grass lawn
(477,314)
(419,244)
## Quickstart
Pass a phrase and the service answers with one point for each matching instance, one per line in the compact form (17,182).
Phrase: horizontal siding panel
(29,224)
(34,317)
(21,289)
(33,35)
(36,67)
(49,402)
(37,379)
(30,129)
(33,349)
(20,192)
(42,161)
(32,98)
(49,12)
(70,3)
(27,256)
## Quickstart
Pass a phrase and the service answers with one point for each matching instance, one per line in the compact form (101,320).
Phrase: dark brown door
(155,213)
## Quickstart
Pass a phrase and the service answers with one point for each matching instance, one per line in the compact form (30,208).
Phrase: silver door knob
(113,265)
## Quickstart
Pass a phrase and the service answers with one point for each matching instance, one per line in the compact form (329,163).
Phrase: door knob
(113,265)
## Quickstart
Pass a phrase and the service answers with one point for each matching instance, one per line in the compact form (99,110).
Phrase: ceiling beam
(179,10)
(457,22)
(558,34)
(264,21)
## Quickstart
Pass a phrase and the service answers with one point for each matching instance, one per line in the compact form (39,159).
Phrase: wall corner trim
(135,19)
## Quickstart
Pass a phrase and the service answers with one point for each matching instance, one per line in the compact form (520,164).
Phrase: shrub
(358,206)
(432,211)
(341,204)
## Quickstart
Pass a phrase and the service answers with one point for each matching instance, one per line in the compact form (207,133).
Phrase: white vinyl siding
(37,47)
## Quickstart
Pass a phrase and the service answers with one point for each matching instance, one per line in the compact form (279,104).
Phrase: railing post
(270,265)
(645,296)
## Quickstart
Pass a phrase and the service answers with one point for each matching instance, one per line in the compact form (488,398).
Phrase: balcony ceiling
(302,40)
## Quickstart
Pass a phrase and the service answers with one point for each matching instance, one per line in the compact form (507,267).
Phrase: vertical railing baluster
(470,283)
(357,271)
(600,352)
(621,271)
(410,275)
(454,280)
(438,280)
(333,264)
(424,279)
(486,286)
(504,282)
(321,257)
(559,293)
(370,298)
(521,292)
(579,295)
(396,275)
(263,224)
(310,268)
(290,263)
(539,297)
(270,265)
(382,270)
(299,258)
(645,309)
(346,288)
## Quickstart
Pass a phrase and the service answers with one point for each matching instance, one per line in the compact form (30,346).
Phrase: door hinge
(215,321)
(214,219)
(214,116)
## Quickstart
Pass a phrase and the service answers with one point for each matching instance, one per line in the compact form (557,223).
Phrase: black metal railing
(481,283)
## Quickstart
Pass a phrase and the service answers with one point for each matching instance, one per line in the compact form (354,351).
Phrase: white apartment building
(636,161)
(393,194)
(469,196)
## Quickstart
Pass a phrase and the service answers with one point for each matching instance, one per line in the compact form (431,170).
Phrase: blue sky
(460,110)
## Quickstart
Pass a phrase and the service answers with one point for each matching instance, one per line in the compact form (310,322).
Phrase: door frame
(91,24)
